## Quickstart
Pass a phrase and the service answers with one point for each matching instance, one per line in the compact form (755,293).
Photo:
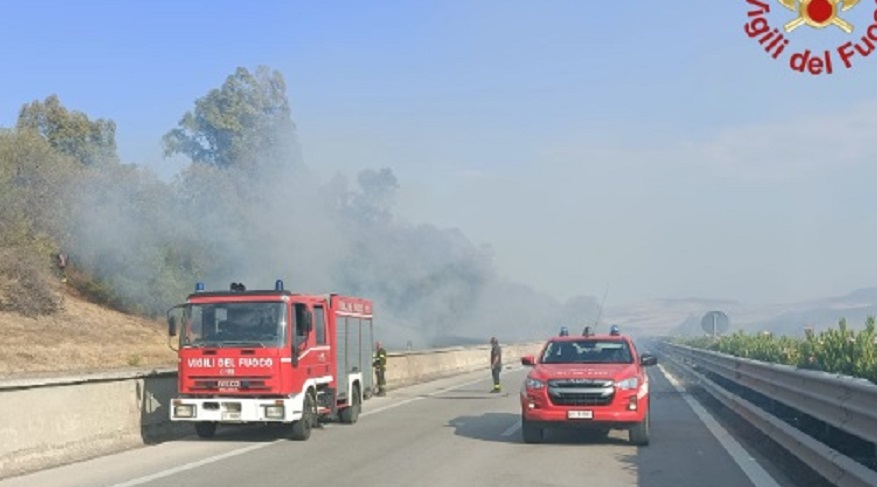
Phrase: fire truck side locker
(366,350)
(354,346)
(341,347)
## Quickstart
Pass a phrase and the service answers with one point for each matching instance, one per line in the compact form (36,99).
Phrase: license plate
(231,416)
(580,414)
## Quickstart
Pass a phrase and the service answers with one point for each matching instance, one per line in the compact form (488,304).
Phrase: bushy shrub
(837,350)
(27,284)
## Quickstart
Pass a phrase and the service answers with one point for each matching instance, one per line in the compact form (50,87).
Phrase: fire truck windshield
(259,324)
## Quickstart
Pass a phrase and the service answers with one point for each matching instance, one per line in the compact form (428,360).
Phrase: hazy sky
(657,149)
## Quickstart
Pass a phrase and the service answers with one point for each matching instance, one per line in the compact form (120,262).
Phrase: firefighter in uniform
(380,365)
(62,265)
(495,363)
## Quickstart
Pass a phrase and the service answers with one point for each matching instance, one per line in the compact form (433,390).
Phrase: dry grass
(81,337)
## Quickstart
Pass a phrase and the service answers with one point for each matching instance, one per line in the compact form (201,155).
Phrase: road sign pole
(713,323)
(715,316)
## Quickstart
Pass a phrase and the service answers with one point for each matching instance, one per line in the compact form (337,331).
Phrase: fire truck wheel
(301,429)
(205,429)
(350,414)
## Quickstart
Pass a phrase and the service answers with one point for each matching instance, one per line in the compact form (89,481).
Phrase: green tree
(128,235)
(34,210)
(243,121)
(35,182)
(71,132)
(374,201)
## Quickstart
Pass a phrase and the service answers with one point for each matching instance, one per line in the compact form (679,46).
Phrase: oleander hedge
(837,350)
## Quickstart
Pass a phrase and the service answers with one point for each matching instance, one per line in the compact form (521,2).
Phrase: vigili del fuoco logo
(779,41)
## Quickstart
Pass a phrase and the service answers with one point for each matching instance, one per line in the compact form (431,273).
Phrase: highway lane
(450,432)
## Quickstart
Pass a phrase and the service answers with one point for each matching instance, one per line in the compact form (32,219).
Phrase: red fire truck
(271,356)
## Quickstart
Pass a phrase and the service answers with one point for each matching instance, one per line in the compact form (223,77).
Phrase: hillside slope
(82,337)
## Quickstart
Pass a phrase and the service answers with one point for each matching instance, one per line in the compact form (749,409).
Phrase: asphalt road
(450,432)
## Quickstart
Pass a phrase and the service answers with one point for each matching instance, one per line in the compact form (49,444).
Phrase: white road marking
(191,465)
(418,398)
(757,475)
(248,449)
(431,394)
(512,429)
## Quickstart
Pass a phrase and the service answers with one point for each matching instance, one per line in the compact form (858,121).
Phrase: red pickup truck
(596,382)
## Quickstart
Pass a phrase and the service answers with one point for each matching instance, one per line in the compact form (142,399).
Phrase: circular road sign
(715,322)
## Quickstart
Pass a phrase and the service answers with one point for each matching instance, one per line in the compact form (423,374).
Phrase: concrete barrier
(51,421)
(406,368)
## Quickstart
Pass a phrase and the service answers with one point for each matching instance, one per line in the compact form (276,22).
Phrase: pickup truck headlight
(531,383)
(627,384)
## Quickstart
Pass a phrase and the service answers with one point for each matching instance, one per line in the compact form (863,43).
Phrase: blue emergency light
(278,285)
(199,287)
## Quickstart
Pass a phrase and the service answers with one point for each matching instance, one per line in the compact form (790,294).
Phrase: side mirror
(172,326)
(174,317)
(528,360)
(647,360)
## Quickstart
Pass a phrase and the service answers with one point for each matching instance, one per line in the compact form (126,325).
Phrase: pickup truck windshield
(259,324)
(587,352)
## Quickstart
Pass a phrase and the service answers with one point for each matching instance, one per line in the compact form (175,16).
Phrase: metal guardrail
(846,403)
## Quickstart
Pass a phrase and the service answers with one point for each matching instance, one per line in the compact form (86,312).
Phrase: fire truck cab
(271,357)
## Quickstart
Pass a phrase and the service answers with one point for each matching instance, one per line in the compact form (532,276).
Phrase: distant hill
(856,307)
(681,316)
(660,316)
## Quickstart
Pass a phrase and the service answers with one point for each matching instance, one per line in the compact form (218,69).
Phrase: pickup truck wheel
(350,414)
(639,434)
(531,432)
(205,429)
(301,429)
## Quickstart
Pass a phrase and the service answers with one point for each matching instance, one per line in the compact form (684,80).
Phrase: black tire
(530,432)
(205,429)
(350,414)
(639,434)
(301,429)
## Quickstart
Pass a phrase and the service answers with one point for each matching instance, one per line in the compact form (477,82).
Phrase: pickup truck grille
(580,392)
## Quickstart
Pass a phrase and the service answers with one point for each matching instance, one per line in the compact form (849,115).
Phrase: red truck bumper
(623,413)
